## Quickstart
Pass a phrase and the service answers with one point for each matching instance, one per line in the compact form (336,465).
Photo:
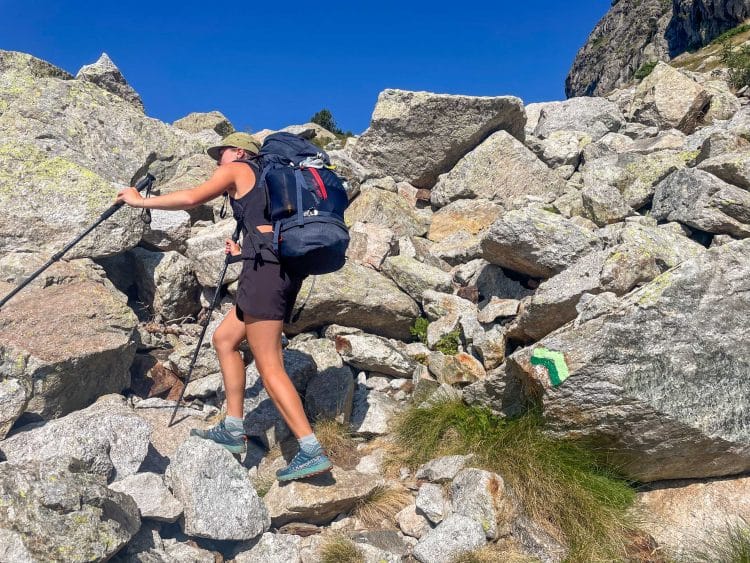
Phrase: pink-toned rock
(688,516)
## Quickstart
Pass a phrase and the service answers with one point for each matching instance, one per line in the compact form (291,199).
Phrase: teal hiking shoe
(305,465)
(222,436)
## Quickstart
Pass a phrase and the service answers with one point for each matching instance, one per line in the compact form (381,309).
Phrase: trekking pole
(206,322)
(143,183)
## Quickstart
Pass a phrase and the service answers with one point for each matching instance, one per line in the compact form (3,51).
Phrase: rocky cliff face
(635,32)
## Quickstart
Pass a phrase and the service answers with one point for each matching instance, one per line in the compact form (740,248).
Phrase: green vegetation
(561,484)
(742,28)
(325,119)
(340,549)
(731,547)
(448,343)
(738,63)
(645,70)
(598,42)
(419,329)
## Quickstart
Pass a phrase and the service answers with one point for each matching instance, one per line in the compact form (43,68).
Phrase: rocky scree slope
(588,257)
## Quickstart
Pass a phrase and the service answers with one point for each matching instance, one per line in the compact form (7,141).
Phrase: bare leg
(226,340)
(264,337)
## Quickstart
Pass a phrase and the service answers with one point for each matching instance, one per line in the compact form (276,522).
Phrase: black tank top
(251,209)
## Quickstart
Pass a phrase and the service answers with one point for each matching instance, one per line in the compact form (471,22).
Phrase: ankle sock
(310,445)
(234,425)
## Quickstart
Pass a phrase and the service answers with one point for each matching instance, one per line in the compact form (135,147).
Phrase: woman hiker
(265,299)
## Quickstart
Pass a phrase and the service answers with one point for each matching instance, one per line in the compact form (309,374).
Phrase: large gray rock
(536,242)
(189,172)
(561,148)
(416,136)
(415,277)
(686,517)
(478,494)
(554,303)
(442,469)
(105,74)
(635,175)
(219,499)
(432,502)
(151,495)
(594,116)
(59,513)
(719,143)
(197,122)
(166,282)
(373,353)
(46,200)
(272,548)
(641,254)
(372,412)
(455,536)
(470,216)
(67,369)
(15,393)
(500,169)
(205,249)
(733,168)
(645,379)
(12,547)
(357,296)
(168,230)
(108,438)
(81,123)
(318,500)
(330,394)
(667,98)
(370,244)
(700,200)
(604,204)
(385,208)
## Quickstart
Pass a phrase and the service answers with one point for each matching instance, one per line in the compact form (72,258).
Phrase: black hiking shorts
(266,291)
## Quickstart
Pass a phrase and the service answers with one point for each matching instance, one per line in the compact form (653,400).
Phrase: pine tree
(325,119)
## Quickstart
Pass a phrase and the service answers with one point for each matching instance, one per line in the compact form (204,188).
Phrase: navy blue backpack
(306,201)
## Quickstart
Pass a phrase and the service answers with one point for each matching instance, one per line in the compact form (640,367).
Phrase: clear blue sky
(272,64)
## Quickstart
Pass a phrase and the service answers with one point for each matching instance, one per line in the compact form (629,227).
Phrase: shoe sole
(306,475)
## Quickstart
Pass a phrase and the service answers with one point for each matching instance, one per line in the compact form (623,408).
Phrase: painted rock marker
(554,362)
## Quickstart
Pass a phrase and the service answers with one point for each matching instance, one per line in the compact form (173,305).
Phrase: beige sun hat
(236,140)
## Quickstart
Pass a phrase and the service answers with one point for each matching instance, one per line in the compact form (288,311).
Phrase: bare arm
(222,180)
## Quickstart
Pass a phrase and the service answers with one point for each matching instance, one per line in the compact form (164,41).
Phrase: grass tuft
(742,28)
(448,343)
(336,439)
(494,553)
(381,504)
(337,548)
(560,484)
(645,70)
(419,329)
